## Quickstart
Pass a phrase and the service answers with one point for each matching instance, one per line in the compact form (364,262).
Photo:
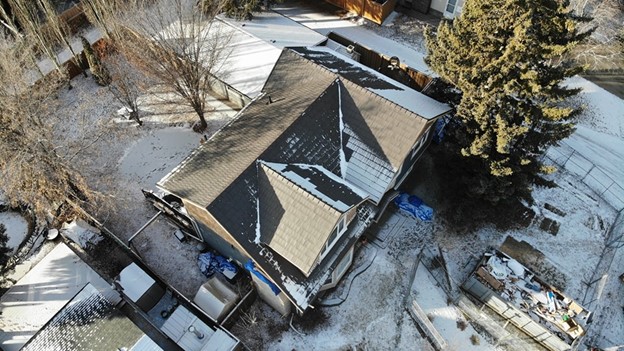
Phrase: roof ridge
(368,91)
(262,162)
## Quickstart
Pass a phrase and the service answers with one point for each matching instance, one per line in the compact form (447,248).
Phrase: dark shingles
(216,164)
(301,125)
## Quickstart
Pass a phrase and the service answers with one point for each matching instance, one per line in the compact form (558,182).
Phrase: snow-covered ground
(16,228)
(373,315)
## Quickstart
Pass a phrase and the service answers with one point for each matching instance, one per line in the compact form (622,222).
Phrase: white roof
(244,63)
(43,292)
(177,329)
(135,282)
(249,61)
(278,30)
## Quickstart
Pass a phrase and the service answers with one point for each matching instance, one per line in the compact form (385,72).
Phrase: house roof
(293,222)
(323,143)
(374,81)
(240,143)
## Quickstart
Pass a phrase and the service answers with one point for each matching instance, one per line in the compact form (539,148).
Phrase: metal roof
(43,292)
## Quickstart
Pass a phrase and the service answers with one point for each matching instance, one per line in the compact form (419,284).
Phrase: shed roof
(278,30)
(43,292)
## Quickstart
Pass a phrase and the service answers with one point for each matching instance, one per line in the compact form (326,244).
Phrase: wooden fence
(374,10)
(379,62)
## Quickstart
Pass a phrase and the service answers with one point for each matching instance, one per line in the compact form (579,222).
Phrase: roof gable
(293,222)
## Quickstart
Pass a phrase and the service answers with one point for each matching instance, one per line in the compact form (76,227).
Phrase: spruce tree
(508,58)
(5,252)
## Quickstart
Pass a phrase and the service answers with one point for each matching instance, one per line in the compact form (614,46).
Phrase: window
(450,6)
(341,268)
(340,228)
(419,144)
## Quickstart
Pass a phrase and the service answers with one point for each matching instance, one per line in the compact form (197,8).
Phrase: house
(288,187)
(442,8)
(63,304)
(90,322)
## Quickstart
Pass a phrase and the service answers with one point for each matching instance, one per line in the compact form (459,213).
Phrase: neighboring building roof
(248,60)
(293,222)
(278,30)
(314,143)
(88,322)
(43,292)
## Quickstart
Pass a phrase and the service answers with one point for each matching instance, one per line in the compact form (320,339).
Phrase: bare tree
(178,45)
(27,14)
(127,83)
(59,30)
(36,162)
(102,14)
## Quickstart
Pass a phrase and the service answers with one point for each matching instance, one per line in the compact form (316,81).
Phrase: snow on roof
(89,321)
(249,61)
(394,91)
(311,178)
(42,293)
(278,30)
(387,47)
(599,135)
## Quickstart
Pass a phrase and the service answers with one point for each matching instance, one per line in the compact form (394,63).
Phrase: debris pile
(540,301)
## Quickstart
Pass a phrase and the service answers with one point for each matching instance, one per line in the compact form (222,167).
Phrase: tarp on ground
(414,206)
(209,264)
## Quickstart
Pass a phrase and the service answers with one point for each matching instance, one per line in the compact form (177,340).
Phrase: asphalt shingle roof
(308,115)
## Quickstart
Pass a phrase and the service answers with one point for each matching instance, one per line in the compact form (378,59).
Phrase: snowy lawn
(127,158)
(16,227)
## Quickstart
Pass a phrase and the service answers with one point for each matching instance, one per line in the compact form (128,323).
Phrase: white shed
(139,287)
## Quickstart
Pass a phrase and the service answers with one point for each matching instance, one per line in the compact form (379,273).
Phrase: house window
(340,228)
(342,267)
(450,6)
(419,144)
(339,271)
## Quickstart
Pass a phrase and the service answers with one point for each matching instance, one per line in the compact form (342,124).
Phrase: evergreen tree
(508,60)
(99,71)
(5,252)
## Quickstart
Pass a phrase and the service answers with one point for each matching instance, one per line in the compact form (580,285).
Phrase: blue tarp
(252,268)
(209,263)
(413,205)
(438,134)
